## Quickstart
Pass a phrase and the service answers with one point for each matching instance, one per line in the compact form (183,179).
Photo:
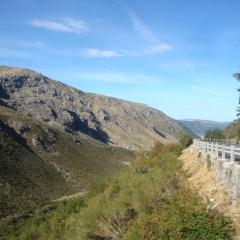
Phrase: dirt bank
(203,181)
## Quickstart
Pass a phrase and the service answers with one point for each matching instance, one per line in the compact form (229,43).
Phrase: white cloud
(98,53)
(146,33)
(66,25)
(159,48)
(142,29)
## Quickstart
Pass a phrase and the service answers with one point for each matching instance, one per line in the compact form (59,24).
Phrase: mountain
(200,127)
(56,140)
(109,120)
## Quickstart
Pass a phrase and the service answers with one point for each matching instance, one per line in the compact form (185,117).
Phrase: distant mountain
(57,140)
(200,127)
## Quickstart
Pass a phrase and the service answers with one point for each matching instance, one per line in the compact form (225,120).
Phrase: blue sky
(177,56)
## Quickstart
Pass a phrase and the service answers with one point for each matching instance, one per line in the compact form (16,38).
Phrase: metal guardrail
(226,141)
(221,150)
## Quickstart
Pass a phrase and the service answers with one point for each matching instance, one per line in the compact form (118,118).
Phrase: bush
(186,141)
(151,204)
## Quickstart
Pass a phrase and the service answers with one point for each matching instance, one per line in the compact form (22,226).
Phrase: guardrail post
(232,158)
(223,152)
(216,150)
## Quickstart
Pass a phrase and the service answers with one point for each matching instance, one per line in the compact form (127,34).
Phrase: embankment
(204,182)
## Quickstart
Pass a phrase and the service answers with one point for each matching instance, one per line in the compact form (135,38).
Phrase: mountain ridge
(107,119)
(200,127)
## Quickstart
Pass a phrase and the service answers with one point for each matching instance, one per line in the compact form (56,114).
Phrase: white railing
(219,149)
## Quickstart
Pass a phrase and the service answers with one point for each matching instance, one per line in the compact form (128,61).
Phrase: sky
(176,56)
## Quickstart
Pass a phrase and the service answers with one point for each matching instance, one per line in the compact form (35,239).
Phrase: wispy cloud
(66,25)
(147,34)
(159,48)
(142,29)
(98,53)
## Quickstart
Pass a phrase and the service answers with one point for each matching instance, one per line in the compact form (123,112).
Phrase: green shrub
(186,141)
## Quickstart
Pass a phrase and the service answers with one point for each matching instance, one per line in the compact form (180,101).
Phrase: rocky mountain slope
(109,120)
(56,140)
(200,127)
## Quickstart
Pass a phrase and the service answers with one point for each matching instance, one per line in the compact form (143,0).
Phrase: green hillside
(40,163)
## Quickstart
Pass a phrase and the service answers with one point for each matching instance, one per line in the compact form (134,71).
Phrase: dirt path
(71,197)
(210,190)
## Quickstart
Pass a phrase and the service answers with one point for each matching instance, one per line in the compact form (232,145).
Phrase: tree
(237,76)
(214,134)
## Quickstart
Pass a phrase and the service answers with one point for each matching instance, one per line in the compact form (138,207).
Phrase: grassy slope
(31,176)
(26,180)
(150,200)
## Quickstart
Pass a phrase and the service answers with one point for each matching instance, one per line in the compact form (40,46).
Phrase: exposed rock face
(109,120)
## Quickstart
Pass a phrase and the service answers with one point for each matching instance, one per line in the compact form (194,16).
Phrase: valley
(69,158)
(56,140)
(119,120)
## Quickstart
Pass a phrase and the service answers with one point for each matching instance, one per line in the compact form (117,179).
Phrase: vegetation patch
(149,200)
(214,134)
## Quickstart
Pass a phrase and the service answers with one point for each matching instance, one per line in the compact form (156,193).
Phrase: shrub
(186,141)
